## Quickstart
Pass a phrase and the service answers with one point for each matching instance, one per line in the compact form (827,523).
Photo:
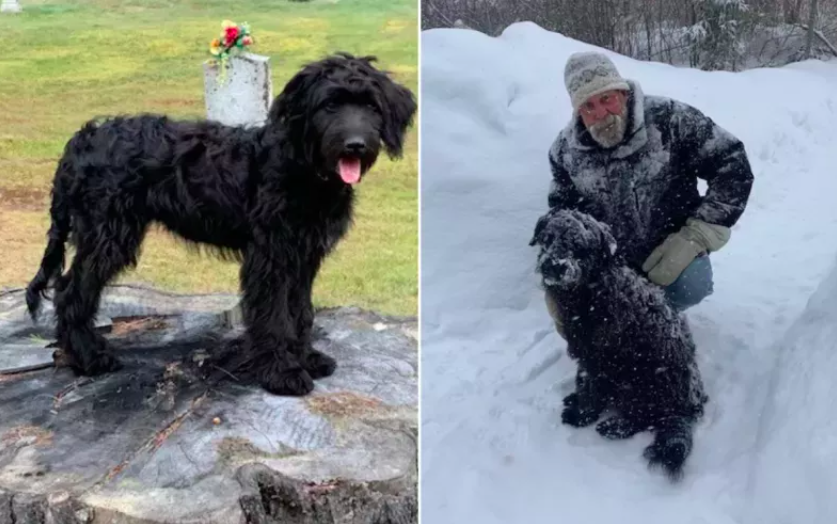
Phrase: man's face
(604,117)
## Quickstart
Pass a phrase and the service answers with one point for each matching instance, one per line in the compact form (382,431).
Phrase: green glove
(678,250)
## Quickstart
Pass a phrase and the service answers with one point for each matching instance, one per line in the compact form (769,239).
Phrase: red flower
(230,35)
(246,40)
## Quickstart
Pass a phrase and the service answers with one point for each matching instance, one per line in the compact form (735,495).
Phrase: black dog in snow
(277,198)
(635,353)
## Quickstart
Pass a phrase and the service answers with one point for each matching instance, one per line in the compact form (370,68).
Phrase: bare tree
(708,34)
(812,20)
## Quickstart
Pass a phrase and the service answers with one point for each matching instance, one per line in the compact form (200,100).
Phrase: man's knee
(693,285)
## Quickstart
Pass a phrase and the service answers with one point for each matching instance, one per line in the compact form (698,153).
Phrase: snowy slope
(493,370)
(797,443)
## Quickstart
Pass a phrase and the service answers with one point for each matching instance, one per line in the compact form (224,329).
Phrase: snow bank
(797,446)
(493,370)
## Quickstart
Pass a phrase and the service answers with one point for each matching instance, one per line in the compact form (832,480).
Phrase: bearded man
(633,162)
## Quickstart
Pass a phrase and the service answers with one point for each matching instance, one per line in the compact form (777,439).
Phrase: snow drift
(795,472)
(493,370)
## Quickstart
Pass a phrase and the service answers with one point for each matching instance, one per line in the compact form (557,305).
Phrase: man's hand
(678,250)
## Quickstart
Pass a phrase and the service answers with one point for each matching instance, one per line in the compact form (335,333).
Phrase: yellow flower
(227,23)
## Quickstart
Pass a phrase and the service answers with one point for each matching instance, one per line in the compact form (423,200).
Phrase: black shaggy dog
(635,353)
(277,197)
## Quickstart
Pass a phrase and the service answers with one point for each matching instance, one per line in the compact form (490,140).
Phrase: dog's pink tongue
(349,170)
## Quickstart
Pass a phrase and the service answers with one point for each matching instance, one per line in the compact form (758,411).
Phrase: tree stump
(157,442)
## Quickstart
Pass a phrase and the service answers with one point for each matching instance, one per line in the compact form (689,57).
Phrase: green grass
(64,62)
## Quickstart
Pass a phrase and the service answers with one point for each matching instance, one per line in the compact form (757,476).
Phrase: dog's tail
(672,445)
(52,263)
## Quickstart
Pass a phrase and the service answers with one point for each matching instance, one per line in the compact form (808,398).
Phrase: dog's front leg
(586,404)
(269,277)
(316,363)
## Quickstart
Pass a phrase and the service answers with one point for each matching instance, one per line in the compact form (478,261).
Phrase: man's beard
(609,132)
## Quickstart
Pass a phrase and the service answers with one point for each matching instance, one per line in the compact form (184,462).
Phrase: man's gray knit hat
(590,73)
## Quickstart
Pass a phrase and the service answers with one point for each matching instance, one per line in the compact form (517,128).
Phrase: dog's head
(339,111)
(573,247)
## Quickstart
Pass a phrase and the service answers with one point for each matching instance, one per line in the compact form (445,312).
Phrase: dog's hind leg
(267,281)
(100,256)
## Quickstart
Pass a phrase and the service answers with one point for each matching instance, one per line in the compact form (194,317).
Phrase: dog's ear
(292,106)
(607,242)
(539,227)
(399,108)
(293,102)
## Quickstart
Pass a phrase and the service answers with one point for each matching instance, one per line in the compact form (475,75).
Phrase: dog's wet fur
(634,351)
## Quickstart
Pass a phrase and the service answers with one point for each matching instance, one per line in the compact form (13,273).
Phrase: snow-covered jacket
(647,187)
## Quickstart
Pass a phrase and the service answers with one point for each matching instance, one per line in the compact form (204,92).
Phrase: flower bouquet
(234,38)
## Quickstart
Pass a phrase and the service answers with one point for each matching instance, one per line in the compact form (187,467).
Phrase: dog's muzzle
(355,159)
(557,271)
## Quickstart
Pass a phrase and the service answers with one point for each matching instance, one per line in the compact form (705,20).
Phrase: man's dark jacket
(646,187)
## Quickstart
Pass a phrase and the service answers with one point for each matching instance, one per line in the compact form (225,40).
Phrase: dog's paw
(88,355)
(318,364)
(573,416)
(103,363)
(100,365)
(617,428)
(292,382)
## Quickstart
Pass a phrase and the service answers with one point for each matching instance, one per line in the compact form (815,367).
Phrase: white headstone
(9,6)
(244,96)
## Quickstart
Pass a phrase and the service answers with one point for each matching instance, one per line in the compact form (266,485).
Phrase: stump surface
(155,442)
